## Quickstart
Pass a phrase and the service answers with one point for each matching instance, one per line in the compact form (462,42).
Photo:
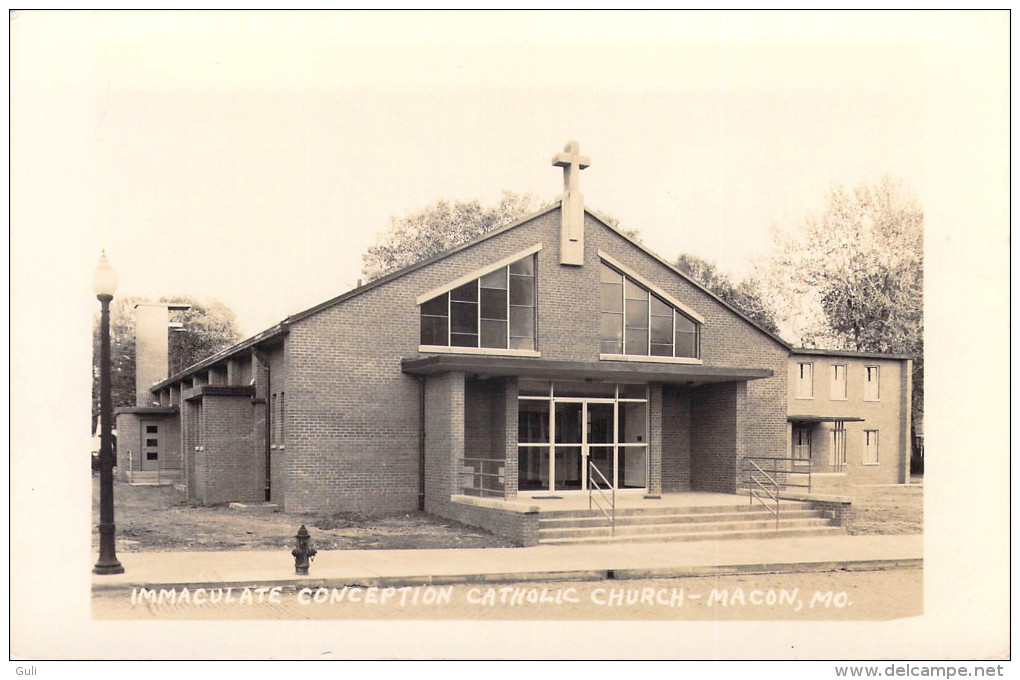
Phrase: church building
(537,363)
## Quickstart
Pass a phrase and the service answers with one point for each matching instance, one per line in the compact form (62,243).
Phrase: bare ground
(157,518)
(894,509)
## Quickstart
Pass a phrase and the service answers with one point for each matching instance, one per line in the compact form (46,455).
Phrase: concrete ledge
(493,504)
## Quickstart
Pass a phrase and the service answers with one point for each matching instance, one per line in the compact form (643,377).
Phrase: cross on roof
(572,162)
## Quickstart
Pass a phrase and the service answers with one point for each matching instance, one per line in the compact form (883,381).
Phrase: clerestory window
(636,321)
(495,311)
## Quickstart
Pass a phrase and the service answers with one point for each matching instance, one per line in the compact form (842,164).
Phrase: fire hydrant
(302,552)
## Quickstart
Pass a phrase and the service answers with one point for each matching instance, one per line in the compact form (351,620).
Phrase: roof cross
(572,162)
(572,205)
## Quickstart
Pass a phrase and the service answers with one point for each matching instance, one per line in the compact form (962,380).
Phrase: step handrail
(593,484)
(771,492)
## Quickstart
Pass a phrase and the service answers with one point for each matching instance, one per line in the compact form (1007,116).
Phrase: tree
(860,265)
(439,228)
(745,296)
(208,328)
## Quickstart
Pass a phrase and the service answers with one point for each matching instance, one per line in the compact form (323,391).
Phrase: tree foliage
(860,265)
(439,228)
(209,326)
(745,296)
(445,225)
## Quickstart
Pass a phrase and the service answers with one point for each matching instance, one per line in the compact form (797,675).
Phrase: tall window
(495,311)
(837,381)
(870,447)
(805,381)
(801,445)
(871,383)
(282,421)
(635,321)
(273,406)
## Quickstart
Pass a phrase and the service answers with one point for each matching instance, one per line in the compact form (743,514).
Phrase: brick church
(533,364)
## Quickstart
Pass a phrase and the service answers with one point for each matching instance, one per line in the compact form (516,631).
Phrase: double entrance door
(572,442)
(584,432)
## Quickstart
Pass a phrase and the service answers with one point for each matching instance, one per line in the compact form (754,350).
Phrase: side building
(850,415)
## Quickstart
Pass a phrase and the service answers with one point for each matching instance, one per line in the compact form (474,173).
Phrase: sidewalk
(541,563)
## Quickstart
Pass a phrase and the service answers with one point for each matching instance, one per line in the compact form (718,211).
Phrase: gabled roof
(282,327)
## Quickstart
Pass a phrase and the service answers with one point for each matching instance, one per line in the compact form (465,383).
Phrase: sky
(253,157)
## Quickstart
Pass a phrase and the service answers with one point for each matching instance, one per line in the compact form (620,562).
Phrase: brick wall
(676,439)
(718,419)
(655,444)
(519,527)
(228,462)
(444,438)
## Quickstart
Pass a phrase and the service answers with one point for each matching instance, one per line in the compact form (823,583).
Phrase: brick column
(444,438)
(740,422)
(654,441)
(510,476)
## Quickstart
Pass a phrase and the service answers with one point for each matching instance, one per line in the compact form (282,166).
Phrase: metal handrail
(592,483)
(789,468)
(772,495)
(479,475)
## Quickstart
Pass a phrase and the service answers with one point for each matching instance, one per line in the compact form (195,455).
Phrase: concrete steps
(692,523)
(153,477)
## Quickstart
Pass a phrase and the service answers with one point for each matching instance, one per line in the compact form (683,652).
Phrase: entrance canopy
(825,419)
(547,369)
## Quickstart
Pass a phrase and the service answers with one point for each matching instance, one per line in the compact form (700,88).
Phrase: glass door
(569,450)
(599,441)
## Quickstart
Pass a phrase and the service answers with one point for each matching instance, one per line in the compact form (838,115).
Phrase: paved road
(835,596)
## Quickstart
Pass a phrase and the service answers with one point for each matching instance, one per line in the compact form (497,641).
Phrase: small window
(871,383)
(805,381)
(801,445)
(870,447)
(152,442)
(151,455)
(151,429)
(837,383)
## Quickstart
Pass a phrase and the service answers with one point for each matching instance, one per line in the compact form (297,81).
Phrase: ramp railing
(597,482)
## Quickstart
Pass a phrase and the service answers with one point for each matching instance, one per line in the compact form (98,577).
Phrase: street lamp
(104,282)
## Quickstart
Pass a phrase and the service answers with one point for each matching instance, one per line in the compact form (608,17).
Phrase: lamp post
(104,282)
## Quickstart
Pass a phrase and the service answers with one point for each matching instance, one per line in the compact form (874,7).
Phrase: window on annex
(871,383)
(635,321)
(495,311)
(870,447)
(805,381)
(837,381)
(801,445)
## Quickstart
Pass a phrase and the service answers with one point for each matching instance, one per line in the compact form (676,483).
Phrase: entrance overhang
(825,419)
(550,369)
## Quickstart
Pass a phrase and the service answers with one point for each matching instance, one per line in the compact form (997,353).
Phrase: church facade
(543,359)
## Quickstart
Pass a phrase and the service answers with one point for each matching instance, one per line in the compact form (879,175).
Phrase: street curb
(519,576)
